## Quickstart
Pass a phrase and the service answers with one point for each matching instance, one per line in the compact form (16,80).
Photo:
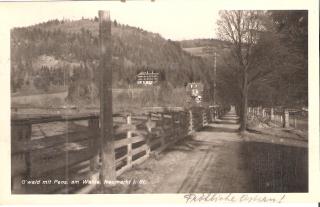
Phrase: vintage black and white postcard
(178,101)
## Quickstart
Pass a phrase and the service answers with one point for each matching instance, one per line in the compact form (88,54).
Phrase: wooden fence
(287,118)
(50,164)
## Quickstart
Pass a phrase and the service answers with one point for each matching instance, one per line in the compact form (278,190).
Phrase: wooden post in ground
(190,121)
(163,121)
(173,125)
(129,135)
(252,113)
(108,170)
(286,123)
(93,125)
(206,118)
(148,124)
(272,114)
(185,122)
(249,115)
(163,138)
(216,113)
(212,114)
(180,126)
(202,118)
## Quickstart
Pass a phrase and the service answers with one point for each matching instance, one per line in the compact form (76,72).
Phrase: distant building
(147,78)
(195,90)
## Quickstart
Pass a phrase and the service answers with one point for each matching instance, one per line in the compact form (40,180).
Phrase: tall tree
(283,46)
(292,27)
(256,53)
(242,29)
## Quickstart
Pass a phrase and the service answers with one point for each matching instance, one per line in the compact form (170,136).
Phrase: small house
(195,90)
(147,78)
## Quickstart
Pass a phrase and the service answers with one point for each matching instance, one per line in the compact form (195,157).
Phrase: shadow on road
(219,129)
(219,160)
(226,122)
(230,116)
(188,144)
(280,134)
(276,168)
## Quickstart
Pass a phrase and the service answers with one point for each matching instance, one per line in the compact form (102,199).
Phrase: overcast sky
(174,20)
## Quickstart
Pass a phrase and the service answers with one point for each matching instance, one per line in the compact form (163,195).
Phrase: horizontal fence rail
(73,154)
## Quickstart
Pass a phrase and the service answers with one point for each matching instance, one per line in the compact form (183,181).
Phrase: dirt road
(220,160)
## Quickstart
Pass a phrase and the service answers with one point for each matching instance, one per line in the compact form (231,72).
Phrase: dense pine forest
(65,53)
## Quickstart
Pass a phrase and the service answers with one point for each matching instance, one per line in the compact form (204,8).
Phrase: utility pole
(214,78)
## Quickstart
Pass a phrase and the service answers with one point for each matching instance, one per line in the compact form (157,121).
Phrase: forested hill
(65,52)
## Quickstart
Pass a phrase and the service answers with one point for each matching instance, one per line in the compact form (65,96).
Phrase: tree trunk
(244,103)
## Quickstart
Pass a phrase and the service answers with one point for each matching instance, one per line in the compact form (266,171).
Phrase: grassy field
(123,100)
(39,100)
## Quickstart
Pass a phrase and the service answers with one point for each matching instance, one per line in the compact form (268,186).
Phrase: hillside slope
(66,53)
(206,47)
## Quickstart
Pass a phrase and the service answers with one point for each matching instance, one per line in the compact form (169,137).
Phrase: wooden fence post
(212,114)
(185,123)
(129,135)
(149,121)
(216,114)
(206,116)
(272,114)
(203,118)
(180,128)
(286,123)
(190,121)
(173,125)
(20,162)
(108,169)
(93,125)
(163,138)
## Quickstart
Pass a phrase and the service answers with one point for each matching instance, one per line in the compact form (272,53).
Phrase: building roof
(147,73)
(195,85)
